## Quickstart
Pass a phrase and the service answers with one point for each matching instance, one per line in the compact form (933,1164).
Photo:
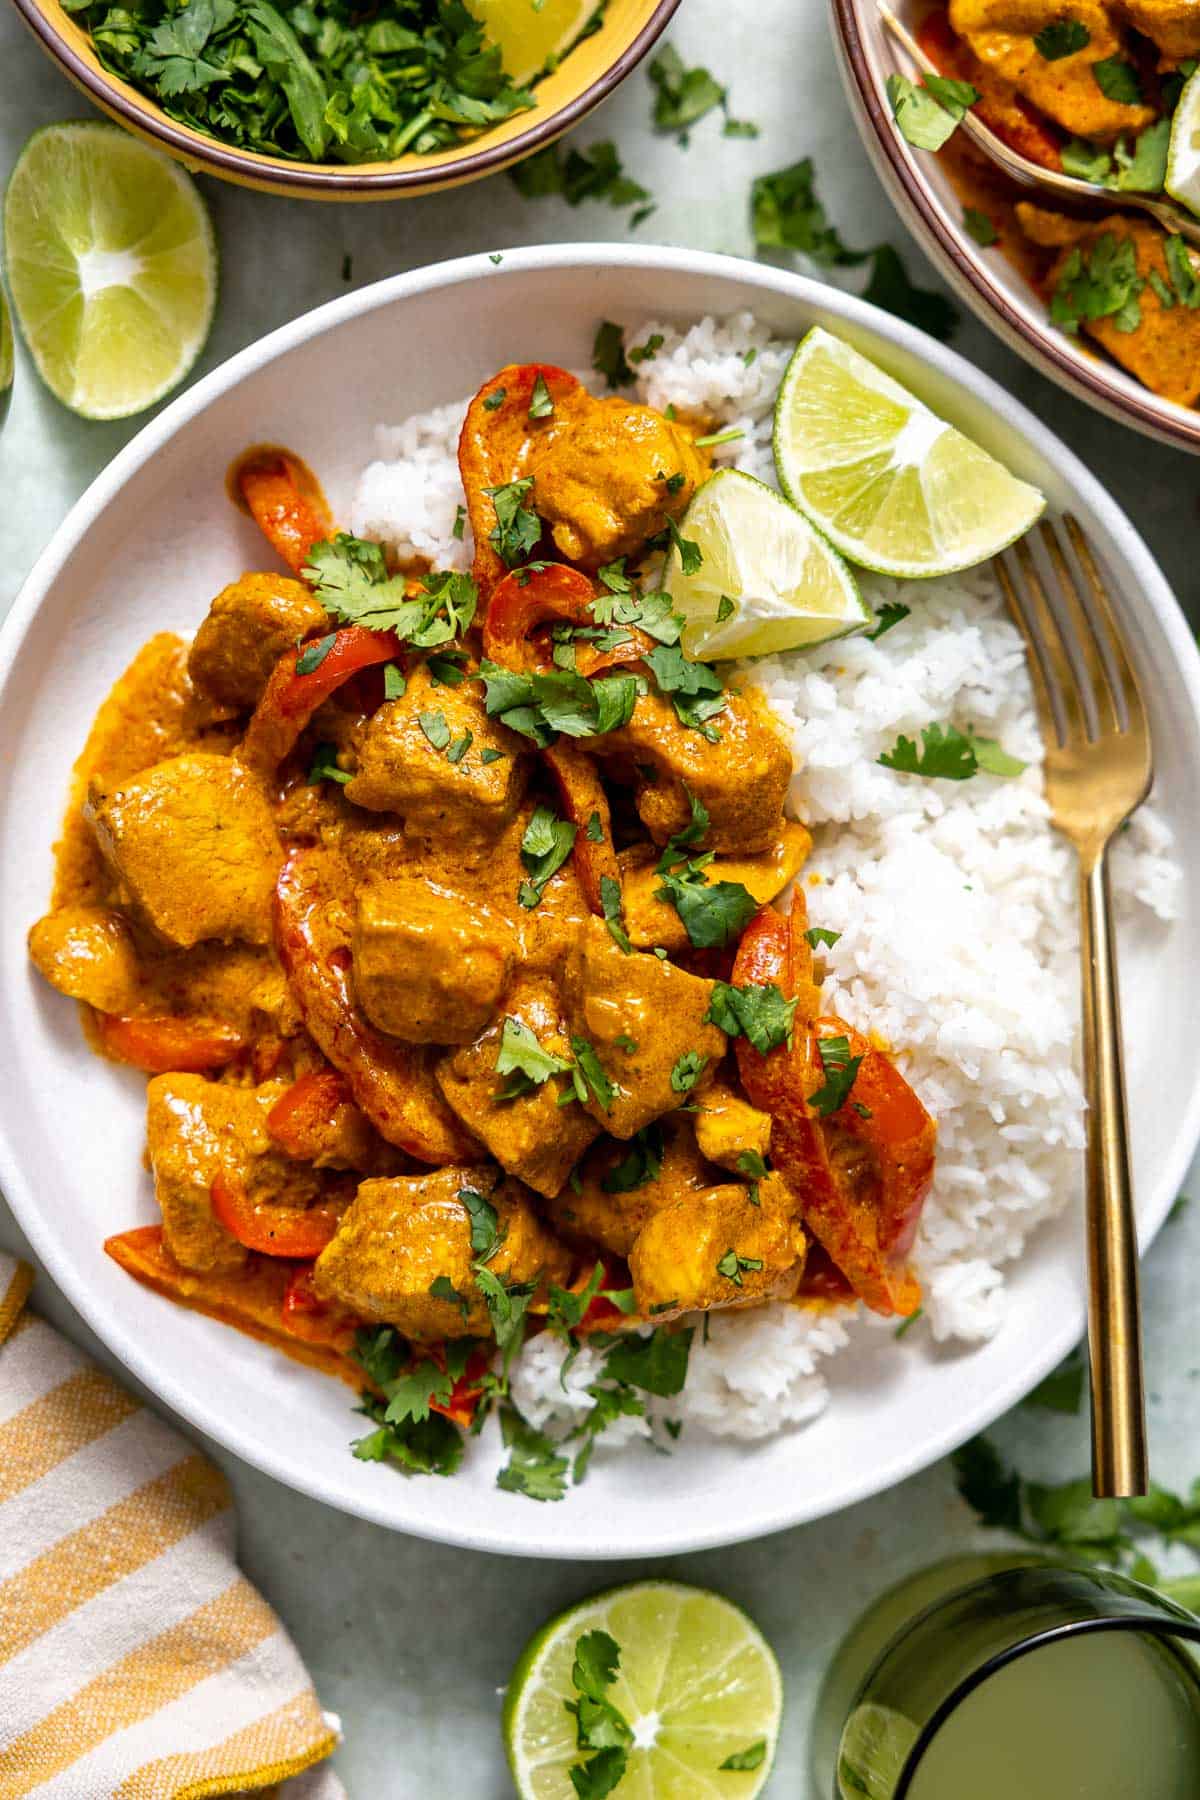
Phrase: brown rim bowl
(923,194)
(584,77)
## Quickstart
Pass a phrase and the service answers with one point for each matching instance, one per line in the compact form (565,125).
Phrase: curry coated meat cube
(430,965)
(246,630)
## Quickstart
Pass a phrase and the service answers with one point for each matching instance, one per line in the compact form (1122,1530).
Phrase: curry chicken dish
(438,909)
(1085,88)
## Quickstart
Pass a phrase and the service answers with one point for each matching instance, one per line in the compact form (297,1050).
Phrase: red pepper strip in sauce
(555,594)
(491,451)
(1013,120)
(467,1391)
(299,1118)
(301,681)
(162,1046)
(286,504)
(272,1230)
(391,1082)
(862,1208)
(584,800)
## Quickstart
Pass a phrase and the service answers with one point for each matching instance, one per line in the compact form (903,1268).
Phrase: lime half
(892,485)
(111,265)
(766,581)
(1183,156)
(531,33)
(697,1683)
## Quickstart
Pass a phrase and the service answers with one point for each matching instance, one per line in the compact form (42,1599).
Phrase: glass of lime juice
(1000,1678)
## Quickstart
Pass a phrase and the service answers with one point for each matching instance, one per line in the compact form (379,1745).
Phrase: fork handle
(1119,1455)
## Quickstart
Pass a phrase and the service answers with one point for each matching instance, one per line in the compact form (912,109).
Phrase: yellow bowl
(584,77)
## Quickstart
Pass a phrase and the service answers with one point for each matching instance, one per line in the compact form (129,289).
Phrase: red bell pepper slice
(467,1391)
(272,1230)
(286,504)
(583,799)
(491,447)
(162,1046)
(864,1211)
(392,1083)
(299,1118)
(298,687)
(527,600)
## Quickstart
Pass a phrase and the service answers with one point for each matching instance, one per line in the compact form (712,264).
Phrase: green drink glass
(999,1678)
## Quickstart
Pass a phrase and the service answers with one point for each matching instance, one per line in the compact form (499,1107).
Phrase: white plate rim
(362,1502)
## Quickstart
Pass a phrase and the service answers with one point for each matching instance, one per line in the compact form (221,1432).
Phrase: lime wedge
(1183,155)
(892,485)
(697,1683)
(530,35)
(111,265)
(874,1749)
(766,581)
(6,357)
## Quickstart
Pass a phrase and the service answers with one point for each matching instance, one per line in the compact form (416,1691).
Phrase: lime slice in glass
(530,35)
(697,1684)
(874,1749)
(892,485)
(1183,156)
(766,581)
(111,265)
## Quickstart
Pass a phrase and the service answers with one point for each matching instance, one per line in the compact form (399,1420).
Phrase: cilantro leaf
(547,843)
(590,1077)
(929,115)
(841,1072)
(682,95)
(611,907)
(687,1071)
(1118,81)
(435,728)
(1086,162)
(430,1446)
(534,1467)
(752,1757)
(541,706)
(658,1363)
(517,529)
(641,1163)
(521,1057)
(751,1163)
(713,913)
(695,688)
(987,1485)
(442,1288)
(817,936)
(608,355)
(890,613)
(982,229)
(731,1265)
(351,581)
(324,766)
(891,288)
(1062,37)
(1144,169)
(946,754)
(541,405)
(485,1223)
(761,1012)
(1182,271)
(507,1304)
(787,215)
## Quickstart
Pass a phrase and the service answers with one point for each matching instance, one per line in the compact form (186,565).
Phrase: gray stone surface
(411,1642)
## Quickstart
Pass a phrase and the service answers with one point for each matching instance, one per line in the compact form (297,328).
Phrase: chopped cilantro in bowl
(319,82)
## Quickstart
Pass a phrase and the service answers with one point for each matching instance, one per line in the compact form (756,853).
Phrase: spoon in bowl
(1174,219)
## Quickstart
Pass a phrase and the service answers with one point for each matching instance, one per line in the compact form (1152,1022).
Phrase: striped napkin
(136,1661)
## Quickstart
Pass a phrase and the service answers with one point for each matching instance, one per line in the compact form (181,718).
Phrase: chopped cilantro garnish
(761,1013)
(434,725)
(611,904)
(641,354)
(980,227)
(817,936)
(725,609)
(545,847)
(1143,169)
(351,581)
(719,437)
(495,400)
(594,830)
(541,405)
(751,1757)
(485,1223)
(889,614)
(641,1163)
(1062,37)
(517,528)
(589,1076)
(841,1072)
(658,1364)
(687,1071)
(608,355)
(324,766)
(394,684)
(460,523)
(458,749)
(524,1061)
(540,706)
(1086,162)
(534,1467)
(491,756)
(731,1265)
(750,1162)
(714,913)
(695,688)
(442,1288)
(1118,81)
(314,654)
(928,115)
(1182,271)
(948,755)
(787,215)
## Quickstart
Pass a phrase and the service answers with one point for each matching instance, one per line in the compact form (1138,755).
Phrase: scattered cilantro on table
(577,175)
(317,83)
(787,214)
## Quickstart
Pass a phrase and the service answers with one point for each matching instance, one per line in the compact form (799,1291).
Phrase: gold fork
(1098,769)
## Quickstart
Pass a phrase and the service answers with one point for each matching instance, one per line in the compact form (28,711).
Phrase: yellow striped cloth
(136,1662)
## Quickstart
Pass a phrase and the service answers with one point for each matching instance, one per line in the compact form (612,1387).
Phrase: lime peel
(896,488)
(1182,179)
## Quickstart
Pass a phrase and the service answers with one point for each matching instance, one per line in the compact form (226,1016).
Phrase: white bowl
(920,188)
(149,543)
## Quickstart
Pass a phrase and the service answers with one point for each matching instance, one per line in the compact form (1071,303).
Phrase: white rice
(955,902)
